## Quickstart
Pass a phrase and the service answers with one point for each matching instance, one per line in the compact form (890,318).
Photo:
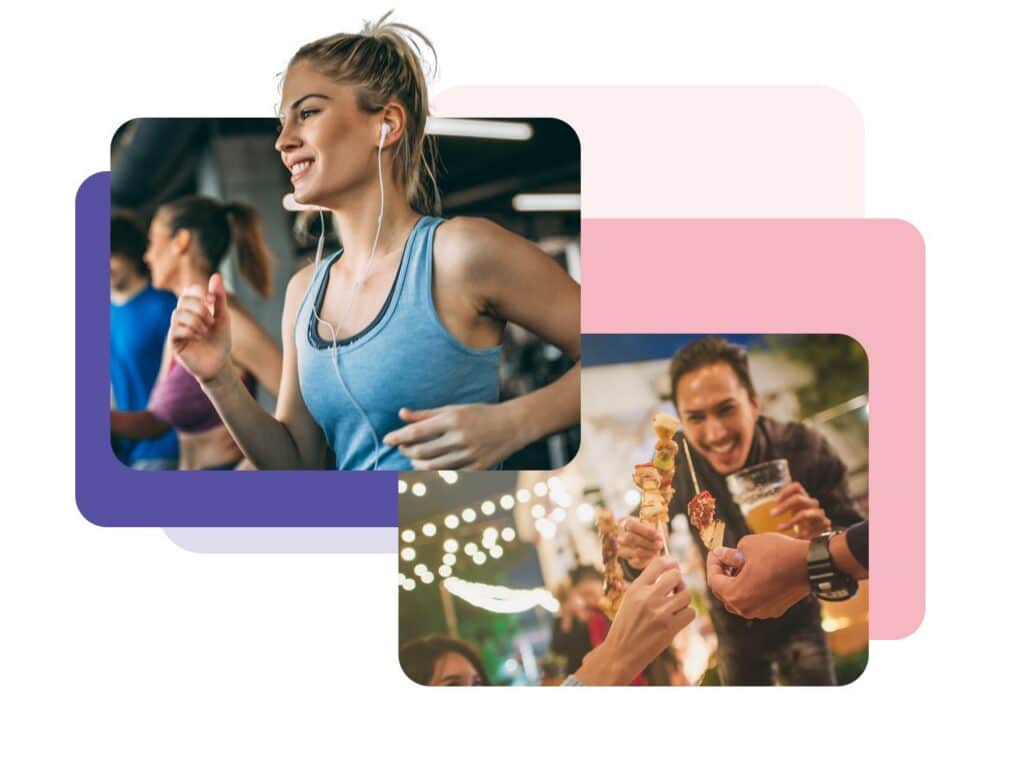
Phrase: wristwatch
(827,581)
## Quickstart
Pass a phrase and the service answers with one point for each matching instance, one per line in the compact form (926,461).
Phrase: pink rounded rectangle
(861,278)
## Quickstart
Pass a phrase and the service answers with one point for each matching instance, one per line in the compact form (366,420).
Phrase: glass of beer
(756,491)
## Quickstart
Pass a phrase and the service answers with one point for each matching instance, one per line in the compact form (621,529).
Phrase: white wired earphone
(385,129)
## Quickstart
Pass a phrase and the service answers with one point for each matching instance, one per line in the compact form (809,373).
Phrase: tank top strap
(314,289)
(419,277)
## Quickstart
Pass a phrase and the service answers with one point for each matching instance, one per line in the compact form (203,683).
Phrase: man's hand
(802,513)
(639,543)
(654,609)
(770,575)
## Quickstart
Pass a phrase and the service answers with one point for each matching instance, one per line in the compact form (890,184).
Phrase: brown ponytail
(254,259)
(215,225)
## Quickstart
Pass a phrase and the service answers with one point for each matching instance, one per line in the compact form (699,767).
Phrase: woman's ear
(395,120)
(182,241)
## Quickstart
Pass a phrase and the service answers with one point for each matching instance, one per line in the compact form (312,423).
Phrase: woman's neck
(190,277)
(357,224)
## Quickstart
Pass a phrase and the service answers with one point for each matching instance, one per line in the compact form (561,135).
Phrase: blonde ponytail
(386,61)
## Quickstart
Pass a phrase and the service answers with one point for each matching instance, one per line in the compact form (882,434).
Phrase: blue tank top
(404,358)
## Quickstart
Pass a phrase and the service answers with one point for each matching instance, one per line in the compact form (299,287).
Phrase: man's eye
(695,419)
(725,411)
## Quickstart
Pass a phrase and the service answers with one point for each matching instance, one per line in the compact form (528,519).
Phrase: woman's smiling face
(327,142)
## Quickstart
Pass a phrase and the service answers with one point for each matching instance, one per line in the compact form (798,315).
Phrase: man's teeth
(722,448)
(300,167)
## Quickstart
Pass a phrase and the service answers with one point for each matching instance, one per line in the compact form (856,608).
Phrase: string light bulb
(585,513)
(497,599)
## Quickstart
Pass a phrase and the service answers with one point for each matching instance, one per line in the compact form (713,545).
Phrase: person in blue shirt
(140,316)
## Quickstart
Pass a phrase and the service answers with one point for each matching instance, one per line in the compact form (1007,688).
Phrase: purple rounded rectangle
(109,493)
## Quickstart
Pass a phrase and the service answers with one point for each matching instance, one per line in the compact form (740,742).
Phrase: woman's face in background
(327,143)
(162,256)
(453,669)
(590,591)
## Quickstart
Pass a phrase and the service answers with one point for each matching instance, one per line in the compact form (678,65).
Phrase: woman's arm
(137,425)
(254,350)
(141,425)
(506,277)
(290,439)
(523,285)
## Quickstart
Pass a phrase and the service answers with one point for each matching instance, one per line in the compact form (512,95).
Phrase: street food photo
(712,530)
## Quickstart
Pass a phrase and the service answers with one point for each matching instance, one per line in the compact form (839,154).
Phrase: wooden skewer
(689,462)
(719,527)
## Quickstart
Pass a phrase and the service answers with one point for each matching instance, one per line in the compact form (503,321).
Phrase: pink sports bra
(179,400)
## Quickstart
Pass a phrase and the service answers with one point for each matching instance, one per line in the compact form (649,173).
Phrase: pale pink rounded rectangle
(862,278)
(697,151)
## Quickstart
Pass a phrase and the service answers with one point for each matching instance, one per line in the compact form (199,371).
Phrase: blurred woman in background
(439,660)
(188,240)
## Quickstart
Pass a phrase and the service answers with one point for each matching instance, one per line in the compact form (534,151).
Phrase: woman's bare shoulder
(299,282)
(466,244)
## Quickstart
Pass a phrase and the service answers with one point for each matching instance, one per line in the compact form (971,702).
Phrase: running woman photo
(391,346)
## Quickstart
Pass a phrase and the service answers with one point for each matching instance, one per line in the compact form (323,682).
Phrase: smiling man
(721,419)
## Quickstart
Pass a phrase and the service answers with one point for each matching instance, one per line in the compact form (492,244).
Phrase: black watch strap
(631,572)
(827,581)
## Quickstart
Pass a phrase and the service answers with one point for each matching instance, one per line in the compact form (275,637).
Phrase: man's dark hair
(128,239)
(418,657)
(709,351)
(582,572)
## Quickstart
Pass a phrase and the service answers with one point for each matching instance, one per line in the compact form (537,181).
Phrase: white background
(119,649)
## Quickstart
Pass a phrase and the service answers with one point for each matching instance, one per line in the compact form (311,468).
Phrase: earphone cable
(356,287)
